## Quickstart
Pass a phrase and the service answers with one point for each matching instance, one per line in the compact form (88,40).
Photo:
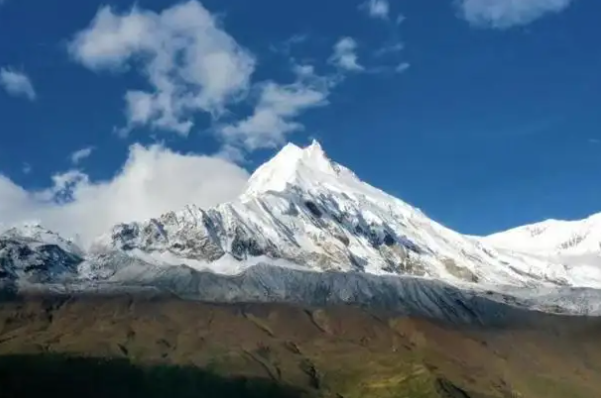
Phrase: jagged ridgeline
(306,229)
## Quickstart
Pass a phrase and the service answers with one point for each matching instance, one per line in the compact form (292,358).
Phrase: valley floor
(149,346)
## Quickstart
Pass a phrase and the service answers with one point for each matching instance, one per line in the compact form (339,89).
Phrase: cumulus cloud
(377,8)
(502,14)
(81,154)
(145,187)
(191,64)
(276,108)
(17,83)
(345,55)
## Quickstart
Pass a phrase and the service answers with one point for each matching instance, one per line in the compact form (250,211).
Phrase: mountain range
(308,229)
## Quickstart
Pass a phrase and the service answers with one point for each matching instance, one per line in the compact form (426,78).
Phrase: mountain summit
(553,237)
(295,166)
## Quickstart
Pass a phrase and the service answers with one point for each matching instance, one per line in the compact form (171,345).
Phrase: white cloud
(145,187)
(377,8)
(276,108)
(81,154)
(402,67)
(345,56)
(278,105)
(191,64)
(17,83)
(345,51)
(390,49)
(503,14)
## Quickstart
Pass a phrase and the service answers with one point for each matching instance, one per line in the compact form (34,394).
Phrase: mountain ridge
(575,236)
(303,208)
(301,211)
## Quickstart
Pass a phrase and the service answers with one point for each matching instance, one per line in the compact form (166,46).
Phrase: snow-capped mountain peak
(29,252)
(295,166)
(553,237)
(35,232)
(303,210)
(575,244)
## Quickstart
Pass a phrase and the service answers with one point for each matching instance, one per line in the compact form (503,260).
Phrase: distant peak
(27,228)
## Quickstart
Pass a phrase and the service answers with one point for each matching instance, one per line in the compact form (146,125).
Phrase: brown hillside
(323,352)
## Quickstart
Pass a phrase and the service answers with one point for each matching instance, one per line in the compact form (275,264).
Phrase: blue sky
(483,114)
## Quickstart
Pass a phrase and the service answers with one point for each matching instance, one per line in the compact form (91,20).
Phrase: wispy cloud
(523,129)
(286,46)
(379,10)
(277,107)
(390,49)
(191,64)
(502,14)
(345,55)
(402,67)
(26,168)
(81,154)
(17,83)
(376,8)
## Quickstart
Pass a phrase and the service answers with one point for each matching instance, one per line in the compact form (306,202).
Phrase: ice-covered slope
(553,236)
(30,253)
(301,210)
(575,244)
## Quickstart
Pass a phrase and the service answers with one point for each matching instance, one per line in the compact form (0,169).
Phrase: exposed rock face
(24,259)
(302,209)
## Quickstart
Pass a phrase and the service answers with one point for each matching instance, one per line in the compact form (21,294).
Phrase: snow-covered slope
(30,253)
(553,236)
(306,229)
(301,210)
(575,244)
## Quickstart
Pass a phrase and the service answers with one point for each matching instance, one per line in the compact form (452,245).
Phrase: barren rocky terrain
(152,345)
